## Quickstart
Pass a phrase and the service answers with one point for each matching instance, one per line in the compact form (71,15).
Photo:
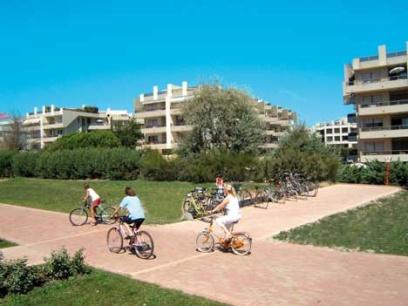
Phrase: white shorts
(227,221)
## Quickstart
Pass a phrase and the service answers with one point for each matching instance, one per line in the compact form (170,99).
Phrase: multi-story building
(45,126)
(340,132)
(164,125)
(378,87)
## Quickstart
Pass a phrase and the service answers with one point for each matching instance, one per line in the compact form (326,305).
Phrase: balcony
(156,145)
(56,125)
(394,155)
(153,129)
(274,133)
(392,82)
(269,146)
(384,107)
(48,139)
(151,114)
(181,128)
(99,127)
(379,132)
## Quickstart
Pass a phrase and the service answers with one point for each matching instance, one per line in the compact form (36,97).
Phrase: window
(329,131)
(336,138)
(345,137)
(153,139)
(372,123)
(374,147)
(330,138)
(344,130)
(337,130)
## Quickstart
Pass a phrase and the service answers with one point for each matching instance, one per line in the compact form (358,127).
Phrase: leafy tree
(97,139)
(302,152)
(14,135)
(129,134)
(222,119)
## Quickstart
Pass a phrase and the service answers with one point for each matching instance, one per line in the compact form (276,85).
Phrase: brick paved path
(274,274)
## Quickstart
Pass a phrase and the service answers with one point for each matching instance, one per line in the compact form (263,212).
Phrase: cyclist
(93,200)
(134,207)
(231,204)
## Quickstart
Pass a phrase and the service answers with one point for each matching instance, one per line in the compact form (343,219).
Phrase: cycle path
(274,274)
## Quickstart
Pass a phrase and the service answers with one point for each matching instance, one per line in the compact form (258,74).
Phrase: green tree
(97,139)
(222,118)
(129,134)
(301,151)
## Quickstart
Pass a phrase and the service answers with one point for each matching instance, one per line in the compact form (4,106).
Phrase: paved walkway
(274,274)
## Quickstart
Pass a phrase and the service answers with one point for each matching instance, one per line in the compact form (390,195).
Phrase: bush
(205,166)
(155,166)
(6,163)
(24,164)
(117,163)
(301,152)
(374,173)
(97,139)
(16,277)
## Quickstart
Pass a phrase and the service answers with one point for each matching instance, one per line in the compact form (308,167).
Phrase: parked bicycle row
(200,201)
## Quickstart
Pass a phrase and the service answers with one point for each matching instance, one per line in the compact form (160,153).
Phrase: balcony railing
(385,103)
(150,126)
(390,78)
(153,109)
(369,58)
(384,128)
(395,54)
(392,152)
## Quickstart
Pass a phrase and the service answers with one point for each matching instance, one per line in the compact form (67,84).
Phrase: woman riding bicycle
(231,204)
(134,207)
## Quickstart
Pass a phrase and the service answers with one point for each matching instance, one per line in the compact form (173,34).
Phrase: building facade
(340,132)
(45,126)
(378,88)
(163,124)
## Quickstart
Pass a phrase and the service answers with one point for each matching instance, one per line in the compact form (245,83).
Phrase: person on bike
(231,205)
(93,200)
(132,204)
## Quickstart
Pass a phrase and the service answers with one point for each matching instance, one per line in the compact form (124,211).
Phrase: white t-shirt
(233,207)
(91,193)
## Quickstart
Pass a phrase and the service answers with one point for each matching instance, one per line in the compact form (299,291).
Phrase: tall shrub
(6,162)
(24,164)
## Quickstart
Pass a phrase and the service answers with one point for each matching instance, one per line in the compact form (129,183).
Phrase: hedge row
(374,173)
(16,277)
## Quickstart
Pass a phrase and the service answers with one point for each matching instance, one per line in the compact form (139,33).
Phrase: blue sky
(106,53)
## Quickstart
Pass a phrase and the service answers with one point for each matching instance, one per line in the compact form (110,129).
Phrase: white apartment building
(164,125)
(45,126)
(378,88)
(339,132)
(5,122)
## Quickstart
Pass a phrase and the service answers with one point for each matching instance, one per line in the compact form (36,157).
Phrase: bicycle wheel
(142,243)
(245,198)
(78,216)
(313,189)
(262,200)
(114,240)
(241,244)
(205,242)
(106,214)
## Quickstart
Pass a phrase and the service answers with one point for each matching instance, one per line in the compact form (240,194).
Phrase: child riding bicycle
(93,200)
(135,210)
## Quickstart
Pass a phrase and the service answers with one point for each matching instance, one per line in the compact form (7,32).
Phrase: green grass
(103,288)
(162,200)
(6,244)
(381,227)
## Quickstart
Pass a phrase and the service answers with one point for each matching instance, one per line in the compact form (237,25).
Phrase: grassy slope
(103,288)
(381,227)
(6,244)
(162,200)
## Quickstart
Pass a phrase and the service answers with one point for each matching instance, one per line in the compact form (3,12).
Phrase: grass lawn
(162,200)
(381,227)
(6,244)
(103,288)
